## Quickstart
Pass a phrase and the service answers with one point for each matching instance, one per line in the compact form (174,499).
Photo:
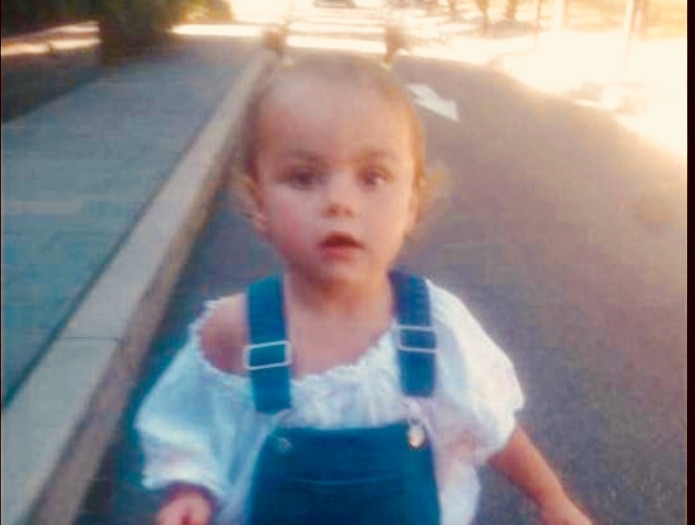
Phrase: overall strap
(268,357)
(415,338)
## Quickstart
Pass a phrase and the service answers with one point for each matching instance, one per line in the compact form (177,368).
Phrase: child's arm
(526,468)
(186,505)
(174,425)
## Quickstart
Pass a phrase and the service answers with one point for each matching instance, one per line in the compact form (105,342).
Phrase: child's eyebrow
(377,154)
(298,154)
(370,154)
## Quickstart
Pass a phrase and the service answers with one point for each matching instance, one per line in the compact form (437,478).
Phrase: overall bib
(360,476)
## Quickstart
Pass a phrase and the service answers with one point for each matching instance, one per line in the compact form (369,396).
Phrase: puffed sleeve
(477,386)
(187,425)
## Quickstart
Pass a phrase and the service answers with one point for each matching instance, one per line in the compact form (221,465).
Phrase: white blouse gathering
(199,425)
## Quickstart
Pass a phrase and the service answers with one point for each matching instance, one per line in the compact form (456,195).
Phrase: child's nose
(342,195)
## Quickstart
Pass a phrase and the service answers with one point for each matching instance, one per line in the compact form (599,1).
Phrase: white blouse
(199,425)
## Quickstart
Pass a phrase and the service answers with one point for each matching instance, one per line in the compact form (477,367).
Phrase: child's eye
(302,178)
(374,177)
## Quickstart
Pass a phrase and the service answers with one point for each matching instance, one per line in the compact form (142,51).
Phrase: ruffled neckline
(344,370)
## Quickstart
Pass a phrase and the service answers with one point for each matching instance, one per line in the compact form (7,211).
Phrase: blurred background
(628,56)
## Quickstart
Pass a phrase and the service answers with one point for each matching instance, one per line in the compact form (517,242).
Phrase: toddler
(341,391)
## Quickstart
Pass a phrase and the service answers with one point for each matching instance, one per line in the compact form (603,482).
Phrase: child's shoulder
(224,333)
(444,301)
(451,310)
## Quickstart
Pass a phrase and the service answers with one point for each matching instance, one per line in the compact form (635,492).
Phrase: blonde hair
(345,70)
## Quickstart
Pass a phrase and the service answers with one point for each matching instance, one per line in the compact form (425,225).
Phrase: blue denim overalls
(359,476)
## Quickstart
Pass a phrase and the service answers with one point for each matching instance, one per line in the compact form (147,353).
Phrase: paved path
(78,171)
(104,190)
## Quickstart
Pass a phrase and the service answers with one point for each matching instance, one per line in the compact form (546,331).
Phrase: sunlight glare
(226,30)
(342,44)
(82,35)
(42,48)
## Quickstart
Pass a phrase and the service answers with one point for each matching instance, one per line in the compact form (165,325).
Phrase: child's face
(334,184)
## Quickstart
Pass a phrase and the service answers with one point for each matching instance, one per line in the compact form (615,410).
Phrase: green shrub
(206,11)
(129,26)
(19,16)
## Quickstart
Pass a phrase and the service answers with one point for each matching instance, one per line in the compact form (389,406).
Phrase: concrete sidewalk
(104,190)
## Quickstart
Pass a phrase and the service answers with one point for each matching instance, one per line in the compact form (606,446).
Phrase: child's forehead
(303,93)
(313,83)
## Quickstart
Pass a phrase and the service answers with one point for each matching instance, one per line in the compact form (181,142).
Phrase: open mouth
(340,240)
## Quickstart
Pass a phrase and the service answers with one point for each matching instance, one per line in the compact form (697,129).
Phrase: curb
(59,424)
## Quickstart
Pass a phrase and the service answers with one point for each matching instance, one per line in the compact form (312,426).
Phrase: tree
(127,27)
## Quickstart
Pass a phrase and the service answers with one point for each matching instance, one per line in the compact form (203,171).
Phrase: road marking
(424,96)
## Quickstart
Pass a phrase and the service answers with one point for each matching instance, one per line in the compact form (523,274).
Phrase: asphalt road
(566,234)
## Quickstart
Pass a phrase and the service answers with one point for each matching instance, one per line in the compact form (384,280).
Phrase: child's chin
(340,272)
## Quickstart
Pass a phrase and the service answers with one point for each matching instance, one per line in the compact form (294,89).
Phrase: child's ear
(255,204)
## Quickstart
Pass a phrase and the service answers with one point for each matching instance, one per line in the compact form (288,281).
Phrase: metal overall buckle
(428,346)
(416,434)
(248,350)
